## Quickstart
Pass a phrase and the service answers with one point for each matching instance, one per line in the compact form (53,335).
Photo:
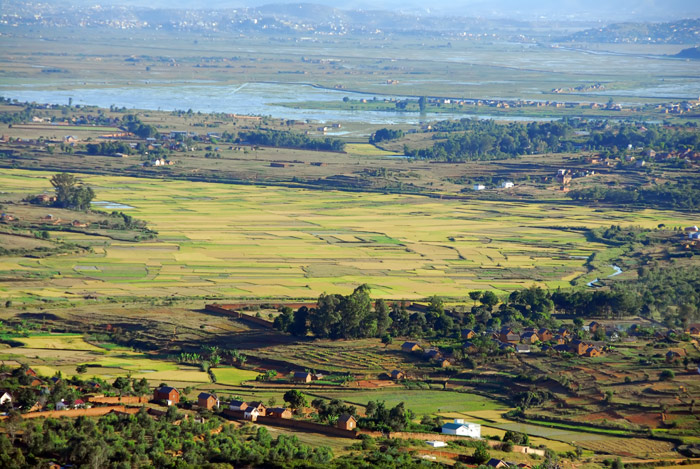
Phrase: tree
(475,295)
(667,375)
(71,193)
(481,453)
(295,399)
(489,299)
(81,369)
(422,102)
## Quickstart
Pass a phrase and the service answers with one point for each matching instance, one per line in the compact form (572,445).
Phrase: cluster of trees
(380,418)
(673,293)
(329,411)
(108,148)
(473,139)
(71,193)
(338,317)
(134,125)
(124,441)
(683,196)
(385,134)
(286,139)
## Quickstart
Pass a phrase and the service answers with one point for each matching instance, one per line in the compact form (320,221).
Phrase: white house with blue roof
(462,428)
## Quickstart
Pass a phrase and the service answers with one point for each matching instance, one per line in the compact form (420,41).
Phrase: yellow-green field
(254,241)
(50,353)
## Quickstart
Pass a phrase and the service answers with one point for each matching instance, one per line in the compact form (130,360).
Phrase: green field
(419,401)
(256,241)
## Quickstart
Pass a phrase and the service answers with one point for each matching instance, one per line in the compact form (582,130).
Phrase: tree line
(474,139)
(681,196)
(286,139)
(673,293)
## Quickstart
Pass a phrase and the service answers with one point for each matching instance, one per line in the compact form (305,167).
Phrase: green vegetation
(71,193)
(284,139)
(672,196)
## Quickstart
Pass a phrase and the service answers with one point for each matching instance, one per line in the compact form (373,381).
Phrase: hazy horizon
(584,10)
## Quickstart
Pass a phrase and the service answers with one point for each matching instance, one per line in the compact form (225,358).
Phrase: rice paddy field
(48,354)
(242,241)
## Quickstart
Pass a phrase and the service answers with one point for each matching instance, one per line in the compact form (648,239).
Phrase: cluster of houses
(432,354)
(502,185)
(564,176)
(560,341)
(41,389)
(678,108)
(47,219)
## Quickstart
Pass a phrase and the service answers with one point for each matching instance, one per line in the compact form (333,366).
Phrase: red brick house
(167,394)
(207,401)
(346,422)
(302,377)
(545,335)
(279,412)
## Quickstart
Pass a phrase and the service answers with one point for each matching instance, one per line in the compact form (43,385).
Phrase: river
(244,98)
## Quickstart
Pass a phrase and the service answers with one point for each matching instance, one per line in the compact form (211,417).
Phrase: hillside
(677,32)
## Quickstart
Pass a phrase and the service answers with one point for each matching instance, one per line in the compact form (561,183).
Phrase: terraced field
(254,241)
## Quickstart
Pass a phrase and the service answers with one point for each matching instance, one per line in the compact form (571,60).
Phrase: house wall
(120,400)
(93,412)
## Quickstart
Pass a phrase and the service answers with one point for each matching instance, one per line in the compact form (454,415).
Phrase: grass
(233,376)
(420,401)
(251,241)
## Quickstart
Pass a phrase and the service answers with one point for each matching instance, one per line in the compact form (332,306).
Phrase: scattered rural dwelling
(693,329)
(594,326)
(692,228)
(432,354)
(78,403)
(592,352)
(30,372)
(479,187)
(436,444)
(277,164)
(507,335)
(79,224)
(469,347)
(675,354)
(410,347)
(497,463)
(529,338)
(545,335)
(61,405)
(279,412)
(397,375)
(302,377)
(7,217)
(564,332)
(468,334)
(444,363)
(262,410)
(316,376)
(251,413)
(166,394)
(578,347)
(5,397)
(507,184)
(346,422)
(238,405)
(522,348)
(207,401)
(461,428)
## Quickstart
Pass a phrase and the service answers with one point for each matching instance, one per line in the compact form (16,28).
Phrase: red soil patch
(650,419)
(373,384)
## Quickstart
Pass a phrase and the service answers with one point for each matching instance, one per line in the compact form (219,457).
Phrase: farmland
(271,242)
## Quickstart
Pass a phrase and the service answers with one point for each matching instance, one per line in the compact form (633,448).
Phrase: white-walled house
(462,428)
(507,184)
(479,187)
(5,397)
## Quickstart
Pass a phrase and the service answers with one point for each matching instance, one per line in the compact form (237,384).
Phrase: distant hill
(689,53)
(676,32)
